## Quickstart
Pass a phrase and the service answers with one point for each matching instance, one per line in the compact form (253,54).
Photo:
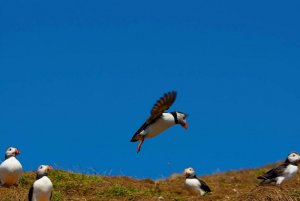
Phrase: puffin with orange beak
(160,120)
(42,188)
(194,183)
(11,168)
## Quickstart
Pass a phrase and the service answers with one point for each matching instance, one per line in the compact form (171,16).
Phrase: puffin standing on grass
(42,188)
(160,120)
(10,168)
(284,171)
(194,183)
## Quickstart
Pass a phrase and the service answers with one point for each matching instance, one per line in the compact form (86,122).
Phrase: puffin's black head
(43,170)
(189,172)
(11,151)
(181,119)
(293,157)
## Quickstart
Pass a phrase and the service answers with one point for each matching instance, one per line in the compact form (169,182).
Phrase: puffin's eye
(41,167)
(9,149)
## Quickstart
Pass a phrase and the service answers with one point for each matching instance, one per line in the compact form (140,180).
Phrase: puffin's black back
(30,193)
(273,173)
(204,186)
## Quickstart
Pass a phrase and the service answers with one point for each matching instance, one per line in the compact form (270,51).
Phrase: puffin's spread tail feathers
(264,180)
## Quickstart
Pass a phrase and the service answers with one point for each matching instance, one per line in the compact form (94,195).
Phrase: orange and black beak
(185,173)
(17,152)
(49,168)
(185,125)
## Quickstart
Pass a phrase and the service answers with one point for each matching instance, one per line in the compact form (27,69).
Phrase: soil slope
(231,186)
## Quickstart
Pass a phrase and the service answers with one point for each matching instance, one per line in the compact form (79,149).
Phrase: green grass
(57,196)
(123,191)
(118,190)
(64,179)
(295,194)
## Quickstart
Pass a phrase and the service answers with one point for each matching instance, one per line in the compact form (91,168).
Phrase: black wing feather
(30,194)
(273,173)
(163,104)
(204,186)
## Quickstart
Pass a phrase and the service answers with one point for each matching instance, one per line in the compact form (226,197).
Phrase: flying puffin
(192,182)
(41,190)
(160,120)
(284,171)
(10,168)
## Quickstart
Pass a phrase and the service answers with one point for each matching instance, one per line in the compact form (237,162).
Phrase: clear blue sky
(78,78)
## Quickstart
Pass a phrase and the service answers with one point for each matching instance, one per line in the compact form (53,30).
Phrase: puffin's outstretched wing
(159,107)
(273,173)
(162,105)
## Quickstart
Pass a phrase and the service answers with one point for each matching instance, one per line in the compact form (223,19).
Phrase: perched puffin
(41,190)
(160,120)
(10,168)
(192,182)
(284,171)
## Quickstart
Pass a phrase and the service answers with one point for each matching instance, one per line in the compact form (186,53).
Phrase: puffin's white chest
(42,189)
(192,183)
(290,171)
(10,171)
(162,124)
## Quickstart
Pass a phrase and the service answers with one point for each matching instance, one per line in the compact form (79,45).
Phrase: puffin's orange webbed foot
(142,138)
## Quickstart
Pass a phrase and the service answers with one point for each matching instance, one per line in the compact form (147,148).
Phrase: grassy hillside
(231,186)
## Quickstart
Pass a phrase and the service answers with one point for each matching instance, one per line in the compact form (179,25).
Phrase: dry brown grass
(266,193)
(228,186)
